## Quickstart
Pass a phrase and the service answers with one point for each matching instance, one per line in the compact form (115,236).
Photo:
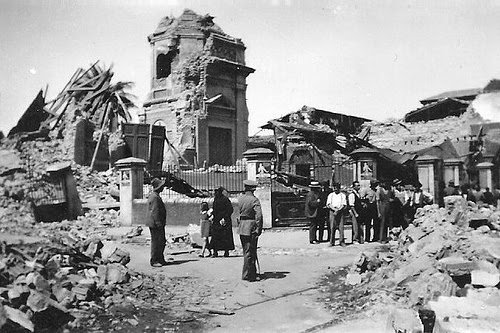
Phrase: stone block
(485,278)
(14,320)
(412,268)
(117,273)
(465,314)
(404,321)
(456,265)
(353,278)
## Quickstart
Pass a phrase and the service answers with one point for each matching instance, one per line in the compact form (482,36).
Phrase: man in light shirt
(336,202)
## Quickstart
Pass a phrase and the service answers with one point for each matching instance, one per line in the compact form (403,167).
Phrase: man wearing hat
(336,202)
(156,220)
(249,228)
(357,213)
(312,210)
(369,199)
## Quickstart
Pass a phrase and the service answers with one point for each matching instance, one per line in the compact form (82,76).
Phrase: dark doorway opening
(219,146)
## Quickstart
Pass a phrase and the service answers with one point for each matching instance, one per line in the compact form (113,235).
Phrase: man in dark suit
(249,228)
(156,221)
(312,210)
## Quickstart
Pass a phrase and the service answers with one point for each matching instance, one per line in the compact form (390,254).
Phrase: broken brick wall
(205,63)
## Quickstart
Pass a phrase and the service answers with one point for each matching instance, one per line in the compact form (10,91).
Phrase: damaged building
(309,141)
(198,90)
(453,136)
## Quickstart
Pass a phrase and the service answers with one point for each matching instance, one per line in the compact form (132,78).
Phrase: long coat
(312,204)
(157,214)
(222,234)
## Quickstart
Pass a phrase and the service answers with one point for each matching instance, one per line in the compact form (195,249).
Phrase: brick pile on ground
(46,285)
(443,266)
(36,156)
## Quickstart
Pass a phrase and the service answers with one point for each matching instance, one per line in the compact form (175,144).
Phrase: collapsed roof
(89,93)
(328,130)
(449,103)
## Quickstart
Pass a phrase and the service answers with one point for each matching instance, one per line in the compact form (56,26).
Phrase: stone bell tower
(198,90)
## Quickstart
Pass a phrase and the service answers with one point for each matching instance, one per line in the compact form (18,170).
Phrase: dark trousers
(158,241)
(385,220)
(371,220)
(357,227)
(336,222)
(313,227)
(249,245)
(324,223)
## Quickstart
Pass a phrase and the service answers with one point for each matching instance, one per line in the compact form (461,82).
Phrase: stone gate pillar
(452,170)
(259,169)
(430,174)
(365,165)
(485,174)
(131,180)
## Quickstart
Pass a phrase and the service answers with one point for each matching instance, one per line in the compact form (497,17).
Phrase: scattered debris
(439,264)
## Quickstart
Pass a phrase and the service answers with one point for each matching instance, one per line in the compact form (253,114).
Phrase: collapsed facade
(198,90)
(449,137)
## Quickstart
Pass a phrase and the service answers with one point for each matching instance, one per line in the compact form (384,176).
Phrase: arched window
(163,65)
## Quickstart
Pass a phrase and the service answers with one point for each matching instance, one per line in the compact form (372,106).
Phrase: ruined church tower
(198,89)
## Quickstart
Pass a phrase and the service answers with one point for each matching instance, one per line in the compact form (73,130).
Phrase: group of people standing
(472,193)
(378,207)
(215,226)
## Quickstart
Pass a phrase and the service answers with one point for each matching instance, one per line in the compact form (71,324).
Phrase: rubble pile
(399,135)
(29,178)
(45,285)
(447,258)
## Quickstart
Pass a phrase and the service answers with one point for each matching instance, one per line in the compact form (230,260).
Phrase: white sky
(373,59)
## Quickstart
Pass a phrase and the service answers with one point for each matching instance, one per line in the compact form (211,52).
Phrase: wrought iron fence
(203,181)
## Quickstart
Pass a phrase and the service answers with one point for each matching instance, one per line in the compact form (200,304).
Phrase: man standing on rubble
(249,228)
(156,220)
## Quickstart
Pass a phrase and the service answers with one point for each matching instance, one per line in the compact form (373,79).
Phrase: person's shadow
(273,275)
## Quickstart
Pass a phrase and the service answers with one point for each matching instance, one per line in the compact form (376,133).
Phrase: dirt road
(287,299)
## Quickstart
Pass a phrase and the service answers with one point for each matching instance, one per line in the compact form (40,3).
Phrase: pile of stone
(44,286)
(399,135)
(444,270)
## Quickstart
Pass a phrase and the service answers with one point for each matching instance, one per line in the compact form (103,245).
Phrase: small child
(205,228)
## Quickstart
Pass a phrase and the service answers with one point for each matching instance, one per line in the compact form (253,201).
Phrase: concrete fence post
(131,180)
(259,161)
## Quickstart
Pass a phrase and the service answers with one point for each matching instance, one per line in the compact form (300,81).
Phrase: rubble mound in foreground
(443,271)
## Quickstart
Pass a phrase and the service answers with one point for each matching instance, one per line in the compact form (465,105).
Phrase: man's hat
(451,182)
(315,185)
(157,184)
(373,182)
(250,183)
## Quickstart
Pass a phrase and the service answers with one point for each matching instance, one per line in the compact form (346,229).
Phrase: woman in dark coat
(222,229)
